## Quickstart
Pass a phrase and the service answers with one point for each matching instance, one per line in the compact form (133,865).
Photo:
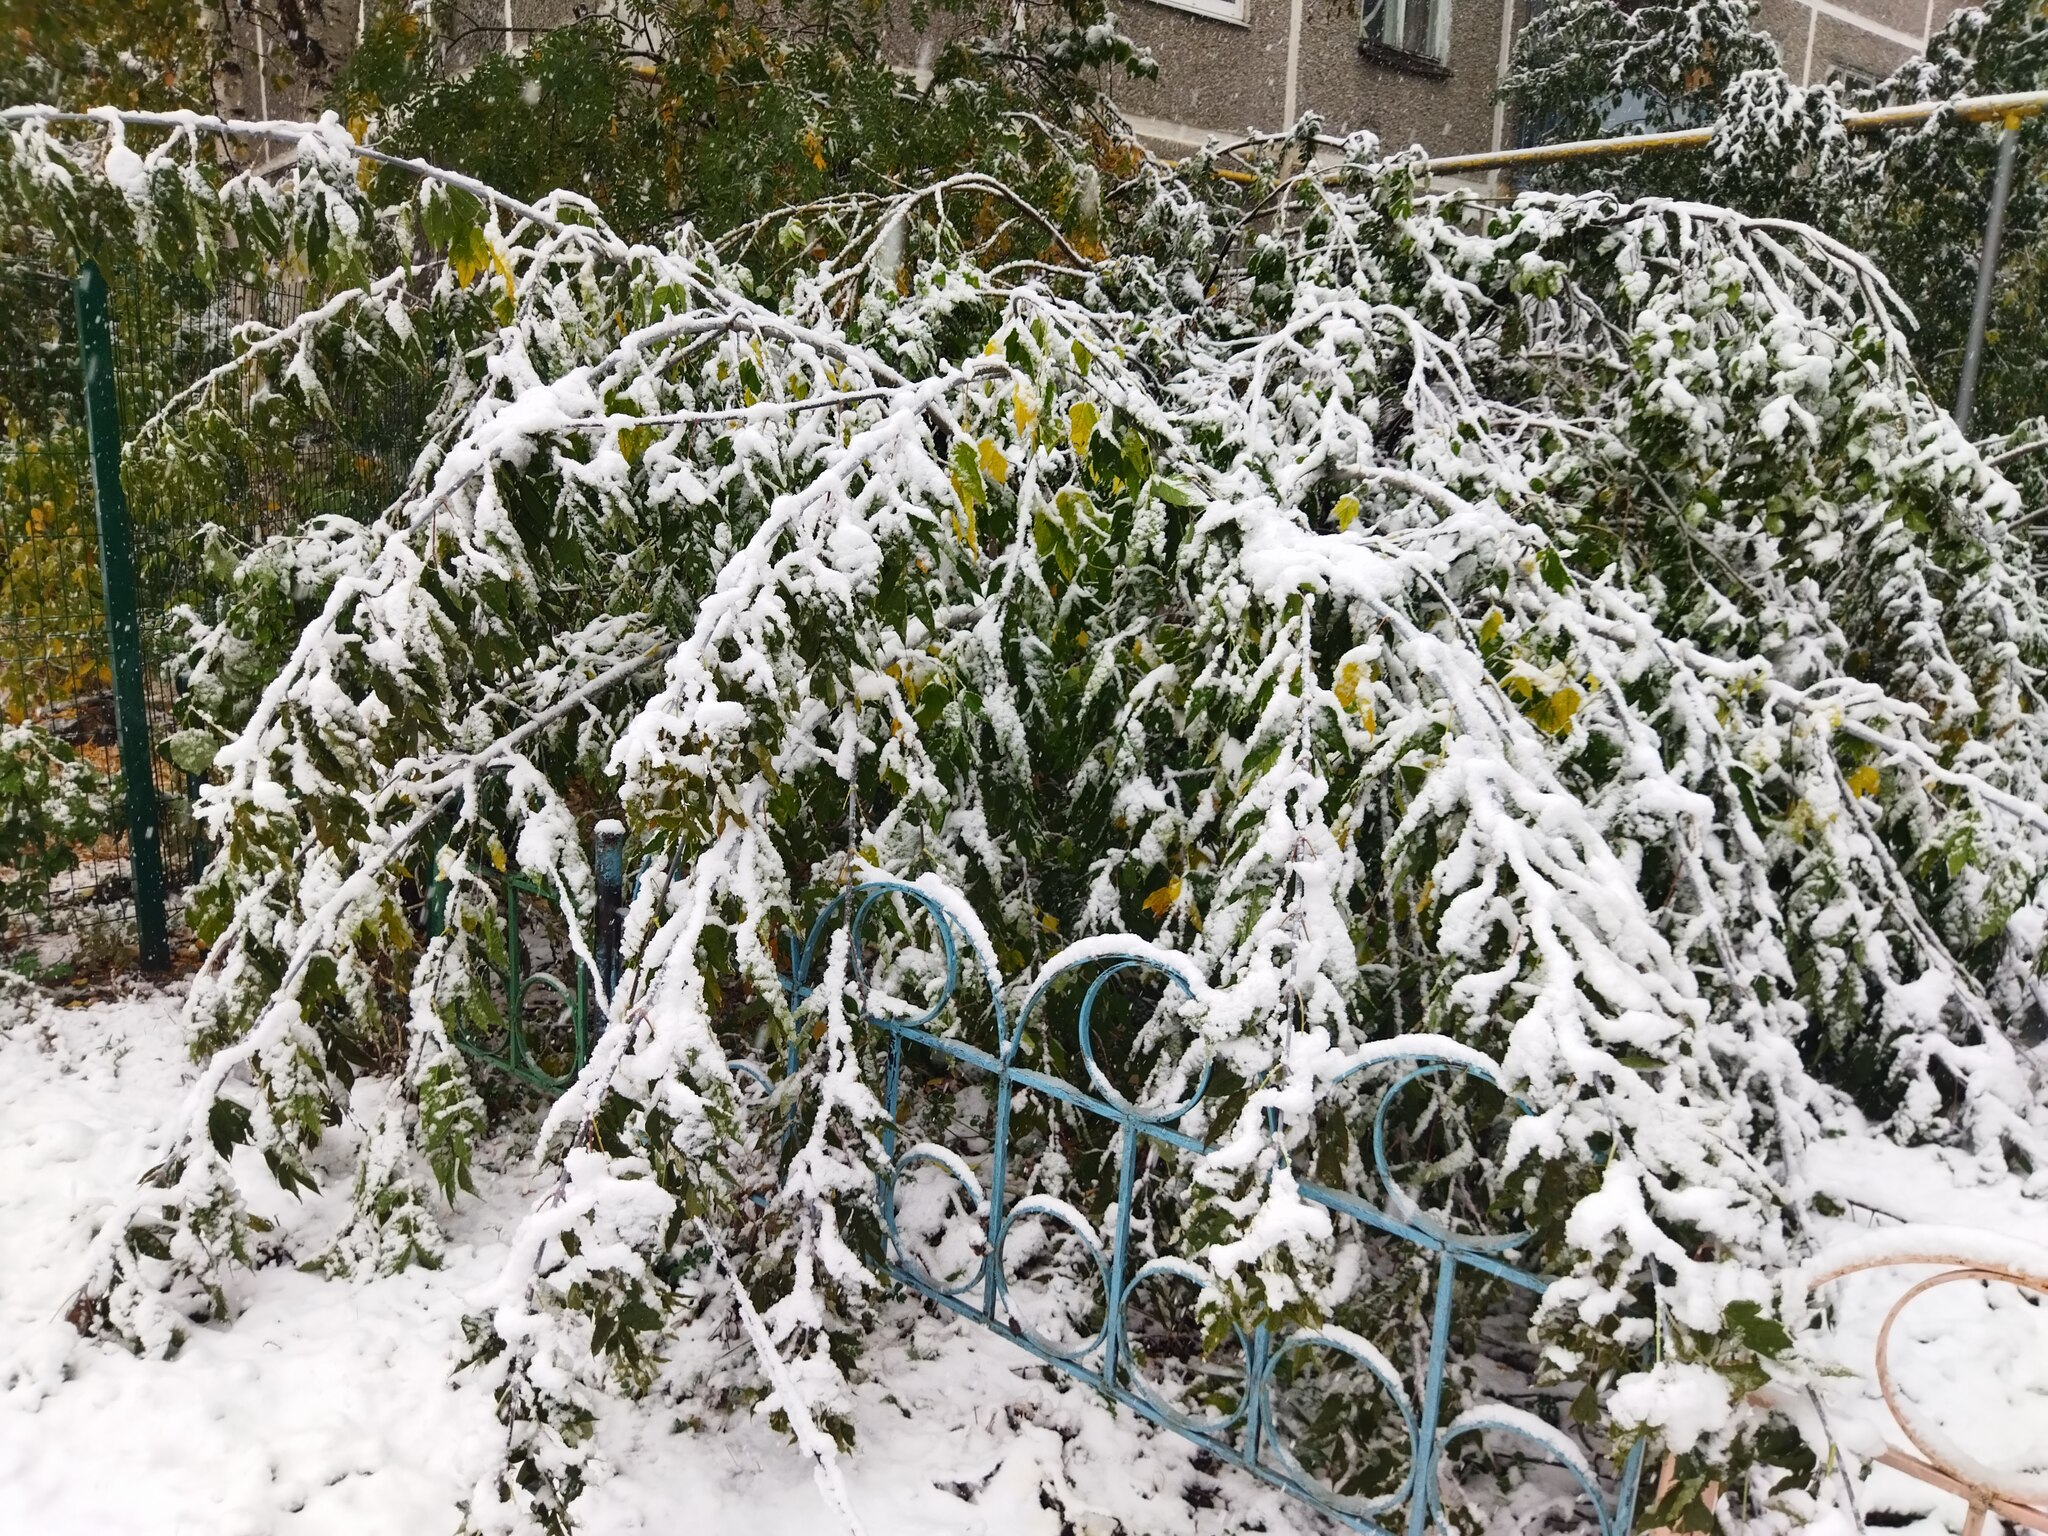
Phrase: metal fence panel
(53,641)
(956,1212)
(168,333)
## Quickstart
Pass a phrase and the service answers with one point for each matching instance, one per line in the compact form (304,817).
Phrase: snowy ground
(328,1406)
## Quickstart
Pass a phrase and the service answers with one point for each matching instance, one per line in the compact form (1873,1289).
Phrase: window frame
(1392,16)
(1235,12)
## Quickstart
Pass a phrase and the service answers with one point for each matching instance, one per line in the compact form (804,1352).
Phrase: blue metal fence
(1251,1431)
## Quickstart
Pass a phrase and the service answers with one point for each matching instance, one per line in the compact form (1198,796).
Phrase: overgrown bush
(53,803)
(1567,628)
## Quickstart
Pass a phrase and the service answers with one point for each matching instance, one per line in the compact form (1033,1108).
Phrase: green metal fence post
(124,628)
(610,862)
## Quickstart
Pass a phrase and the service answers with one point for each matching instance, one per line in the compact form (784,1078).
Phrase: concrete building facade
(1229,65)
(1411,71)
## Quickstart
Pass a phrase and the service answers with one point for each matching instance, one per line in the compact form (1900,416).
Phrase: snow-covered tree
(1913,199)
(1567,628)
(665,110)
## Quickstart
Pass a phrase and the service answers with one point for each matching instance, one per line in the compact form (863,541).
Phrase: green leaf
(191,751)
(1745,1377)
(966,462)
(290,1176)
(1765,1335)
(227,1125)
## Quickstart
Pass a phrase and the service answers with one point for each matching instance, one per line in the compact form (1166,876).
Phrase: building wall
(1870,39)
(1289,56)
(1217,76)
(1221,77)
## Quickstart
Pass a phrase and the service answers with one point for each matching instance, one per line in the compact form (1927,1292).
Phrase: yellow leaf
(634,443)
(1048,922)
(964,528)
(357,128)
(1346,511)
(1347,684)
(1024,410)
(504,269)
(1081,425)
(993,464)
(468,258)
(1081,639)
(497,855)
(1162,900)
(1863,781)
(1555,713)
(1489,627)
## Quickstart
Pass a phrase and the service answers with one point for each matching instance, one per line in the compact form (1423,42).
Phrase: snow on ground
(328,1407)
(1971,1358)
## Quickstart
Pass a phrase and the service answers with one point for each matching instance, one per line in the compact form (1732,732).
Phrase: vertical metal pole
(998,1178)
(1113,1303)
(1432,1397)
(893,1089)
(1258,1389)
(1625,1496)
(610,858)
(1987,272)
(124,627)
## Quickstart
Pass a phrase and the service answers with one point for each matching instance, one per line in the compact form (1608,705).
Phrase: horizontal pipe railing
(2007,108)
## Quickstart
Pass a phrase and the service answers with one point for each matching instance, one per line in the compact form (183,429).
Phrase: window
(1631,109)
(1222,10)
(1411,29)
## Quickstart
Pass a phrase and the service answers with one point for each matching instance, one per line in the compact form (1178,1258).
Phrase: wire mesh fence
(249,481)
(53,643)
(245,481)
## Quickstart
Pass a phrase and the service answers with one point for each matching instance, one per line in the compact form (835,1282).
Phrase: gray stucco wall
(1228,77)
(1840,44)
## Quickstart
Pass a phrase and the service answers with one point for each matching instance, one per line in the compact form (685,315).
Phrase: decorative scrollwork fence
(1251,1433)
(544,1046)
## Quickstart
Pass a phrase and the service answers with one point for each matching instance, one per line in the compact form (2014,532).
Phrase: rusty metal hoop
(2016,1499)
